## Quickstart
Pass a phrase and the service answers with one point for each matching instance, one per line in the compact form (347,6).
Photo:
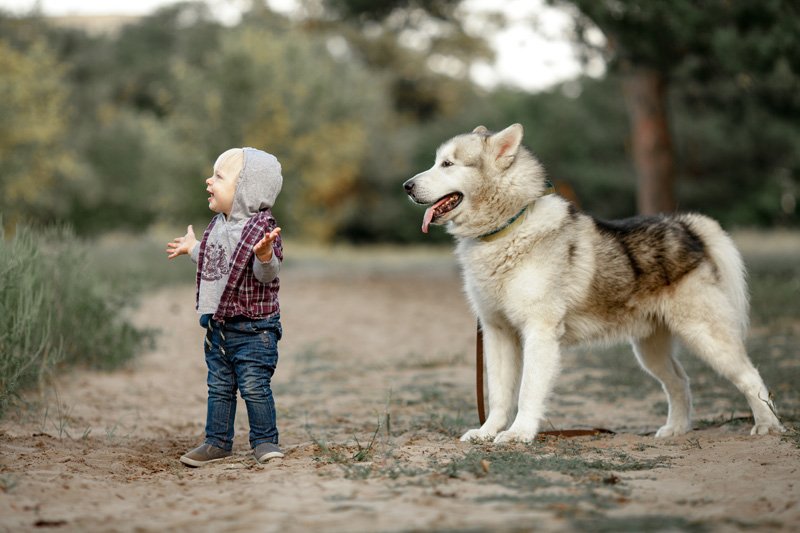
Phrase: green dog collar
(515,220)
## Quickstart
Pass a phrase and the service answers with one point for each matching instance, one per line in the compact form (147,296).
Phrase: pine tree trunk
(645,94)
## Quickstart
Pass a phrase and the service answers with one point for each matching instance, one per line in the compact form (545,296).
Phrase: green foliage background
(118,131)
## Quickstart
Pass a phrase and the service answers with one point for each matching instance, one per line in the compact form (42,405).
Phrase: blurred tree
(743,93)
(644,42)
(144,54)
(735,56)
(594,162)
(33,128)
(422,54)
(120,90)
(133,161)
(119,130)
(280,89)
(420,45)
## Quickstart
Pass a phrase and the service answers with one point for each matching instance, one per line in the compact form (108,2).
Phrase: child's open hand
(263,248)
(182,245)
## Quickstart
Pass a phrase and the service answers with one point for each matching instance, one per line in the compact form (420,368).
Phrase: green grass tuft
(638,524)
(56,312)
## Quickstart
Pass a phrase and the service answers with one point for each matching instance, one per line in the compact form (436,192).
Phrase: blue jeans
(241,354)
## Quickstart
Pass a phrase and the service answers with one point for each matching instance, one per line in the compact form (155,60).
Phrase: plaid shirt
(244,295)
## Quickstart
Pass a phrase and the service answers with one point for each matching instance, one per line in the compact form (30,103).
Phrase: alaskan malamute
(539,274)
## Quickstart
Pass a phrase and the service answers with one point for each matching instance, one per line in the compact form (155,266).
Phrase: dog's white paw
(476,435)
(513,435)
(672,430)
(767,428)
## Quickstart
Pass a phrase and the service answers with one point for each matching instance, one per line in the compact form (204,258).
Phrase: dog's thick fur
(557,277)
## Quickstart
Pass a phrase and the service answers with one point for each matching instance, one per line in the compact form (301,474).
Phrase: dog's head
(479,180)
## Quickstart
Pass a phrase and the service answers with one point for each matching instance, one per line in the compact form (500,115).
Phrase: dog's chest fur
(504,278)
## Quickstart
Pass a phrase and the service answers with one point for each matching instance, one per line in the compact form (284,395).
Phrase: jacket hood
(259,184)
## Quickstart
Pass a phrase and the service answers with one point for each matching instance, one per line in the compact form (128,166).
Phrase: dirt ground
(374,385)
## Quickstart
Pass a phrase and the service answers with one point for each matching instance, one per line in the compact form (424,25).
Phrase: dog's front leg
(502,375)
(541,361)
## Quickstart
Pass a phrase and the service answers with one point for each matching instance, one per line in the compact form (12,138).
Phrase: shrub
(56,312)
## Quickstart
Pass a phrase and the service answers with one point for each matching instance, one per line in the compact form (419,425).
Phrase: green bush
(56,312)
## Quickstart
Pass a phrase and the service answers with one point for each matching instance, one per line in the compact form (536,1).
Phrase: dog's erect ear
(506,144)
(480,129)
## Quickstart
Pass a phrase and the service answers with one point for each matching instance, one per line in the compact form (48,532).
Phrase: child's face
(221,188)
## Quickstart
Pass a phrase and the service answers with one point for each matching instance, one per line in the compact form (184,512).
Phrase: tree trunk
(645,94)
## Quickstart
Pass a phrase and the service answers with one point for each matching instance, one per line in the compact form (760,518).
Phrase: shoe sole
(193,462)
(267,456)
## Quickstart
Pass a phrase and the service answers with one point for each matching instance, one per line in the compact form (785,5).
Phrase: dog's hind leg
(711,332)
(503,361)
(655,354)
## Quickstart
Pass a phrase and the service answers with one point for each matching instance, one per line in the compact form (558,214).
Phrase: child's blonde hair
(230,163)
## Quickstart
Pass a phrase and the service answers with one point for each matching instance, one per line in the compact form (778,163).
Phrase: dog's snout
(409,186)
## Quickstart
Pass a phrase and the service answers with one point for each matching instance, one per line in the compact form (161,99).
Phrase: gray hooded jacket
(257,188)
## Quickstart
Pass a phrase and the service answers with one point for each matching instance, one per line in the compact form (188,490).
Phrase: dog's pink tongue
(426,220)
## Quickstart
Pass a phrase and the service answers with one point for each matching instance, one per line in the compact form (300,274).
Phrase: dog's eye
(447,163)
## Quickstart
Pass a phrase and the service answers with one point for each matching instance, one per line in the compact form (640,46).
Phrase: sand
(377,354)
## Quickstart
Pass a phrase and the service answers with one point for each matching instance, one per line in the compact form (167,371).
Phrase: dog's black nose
(409,186)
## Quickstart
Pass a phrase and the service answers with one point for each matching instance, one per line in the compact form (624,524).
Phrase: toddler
(238,260)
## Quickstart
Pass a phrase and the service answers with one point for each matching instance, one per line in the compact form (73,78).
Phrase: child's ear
(505,145)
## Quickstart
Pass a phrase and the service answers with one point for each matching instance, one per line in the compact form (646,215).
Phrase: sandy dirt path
(374,384)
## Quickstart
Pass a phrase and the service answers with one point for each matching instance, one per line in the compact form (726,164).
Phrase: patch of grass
(62,419)
(56,311)
(723,420)
(365,452)
(561,475)
(440,394)
(638,524)
(359,461)
(370,461)
(513,468)
(444,423)
(8,482)
(439,407)
(792,433)
(423,362)
(519,467)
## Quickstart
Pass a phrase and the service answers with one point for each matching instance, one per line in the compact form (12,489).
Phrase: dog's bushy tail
(729,264)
